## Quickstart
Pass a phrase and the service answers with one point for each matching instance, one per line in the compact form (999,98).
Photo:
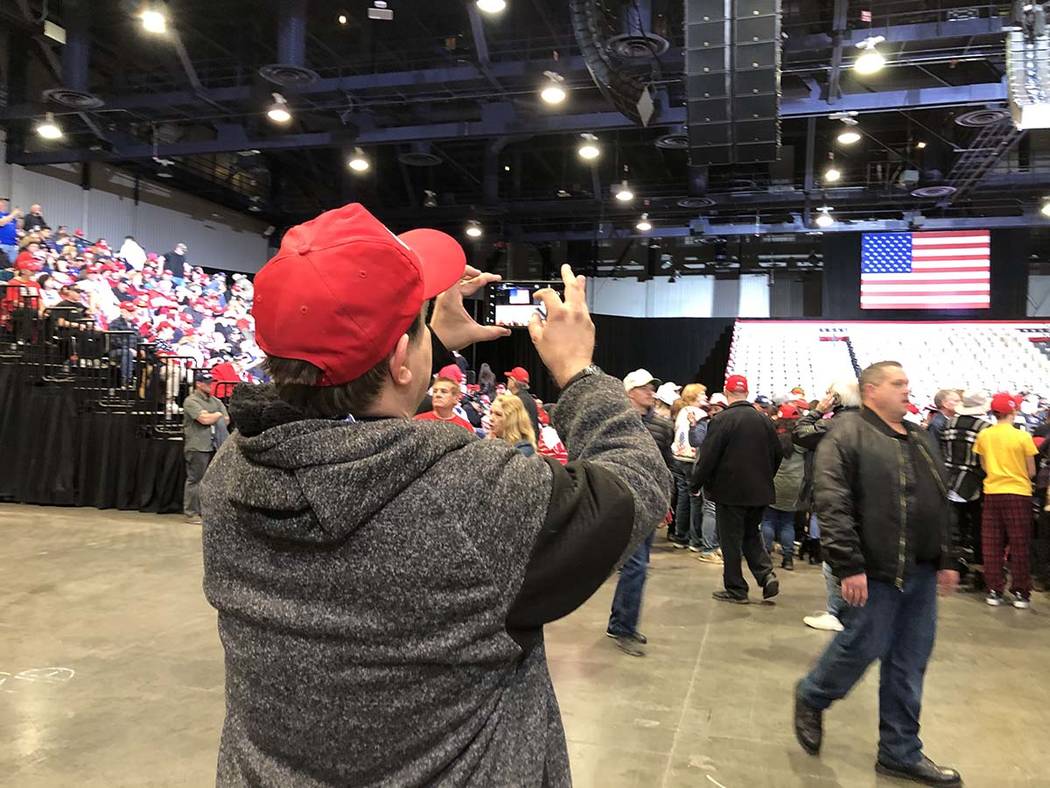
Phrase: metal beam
(838,33)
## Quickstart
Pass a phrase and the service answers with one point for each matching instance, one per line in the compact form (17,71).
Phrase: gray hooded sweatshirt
(382,588)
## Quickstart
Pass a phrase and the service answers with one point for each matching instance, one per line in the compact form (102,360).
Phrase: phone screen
(511,303)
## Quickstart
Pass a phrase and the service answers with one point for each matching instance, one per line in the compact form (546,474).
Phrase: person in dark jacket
(518,385)
(735,468)
(888,533)
(627,600)
(842,397)
(965,475)
(357,656)
(945,401)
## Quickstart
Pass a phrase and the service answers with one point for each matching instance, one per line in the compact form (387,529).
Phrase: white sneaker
(825,622)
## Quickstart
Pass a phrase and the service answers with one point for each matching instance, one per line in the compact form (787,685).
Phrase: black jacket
(865,488)
(809,430)
(740,456)
(662,431)
(530,408)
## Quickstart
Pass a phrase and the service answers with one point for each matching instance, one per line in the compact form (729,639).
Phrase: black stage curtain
(1009,271)
(55,454)
(682,349)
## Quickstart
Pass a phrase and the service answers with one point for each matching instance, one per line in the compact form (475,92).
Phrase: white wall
(1039,296)
(689,296)
(217,237)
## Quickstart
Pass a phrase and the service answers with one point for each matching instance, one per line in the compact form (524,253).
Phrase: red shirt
(432,416)
(17,290)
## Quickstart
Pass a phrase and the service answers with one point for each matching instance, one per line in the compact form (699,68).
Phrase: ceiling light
(870,60)
(644,224)
(920,145)
(823,218)
(358,162)
(154,21)
(279,112)
(48,128)
(588,149)
(553,90)
(1045,210)
(623,192)
(474,229)
(506,168)
(832,174)
(342,19)
(848,137)
(491,6)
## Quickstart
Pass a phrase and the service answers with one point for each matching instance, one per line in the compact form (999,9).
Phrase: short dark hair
(874,373)
(298,383)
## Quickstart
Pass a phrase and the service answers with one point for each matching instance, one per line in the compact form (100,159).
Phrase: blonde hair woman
(689,513)
(510,422)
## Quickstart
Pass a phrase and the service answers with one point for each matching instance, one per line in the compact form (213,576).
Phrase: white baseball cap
(718,399)
(668,393)
(640,377)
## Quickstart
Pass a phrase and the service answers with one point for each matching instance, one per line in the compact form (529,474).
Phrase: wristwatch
(586,372)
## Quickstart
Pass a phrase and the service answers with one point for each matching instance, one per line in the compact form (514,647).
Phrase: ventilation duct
(290,69)
(76,56)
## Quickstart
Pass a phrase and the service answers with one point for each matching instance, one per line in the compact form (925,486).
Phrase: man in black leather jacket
(888,533)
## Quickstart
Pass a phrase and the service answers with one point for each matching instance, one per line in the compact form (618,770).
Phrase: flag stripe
(927,270)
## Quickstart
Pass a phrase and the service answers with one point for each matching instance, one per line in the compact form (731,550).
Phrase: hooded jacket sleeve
(708,455)
(603,504)
(834,471)
(810,429)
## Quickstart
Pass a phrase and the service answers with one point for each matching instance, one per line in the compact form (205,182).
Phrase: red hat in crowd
(736,384)
(366,289)
(788,411)
(1005,403)
(127,306)
(244,324)
(520,374)
(152,257)
(452,372)
(93,269)
(78,232)
(164,325)
(913,409)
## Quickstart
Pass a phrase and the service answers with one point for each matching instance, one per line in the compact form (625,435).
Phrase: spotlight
(1045,210)
(832,174)
(553,90)
(491,6)
(48,128)
(623,192)
(154,20)
(920,145)
(848,137)
(588,149)
(643,225)
(823,218)
(279,112)
(342,19)
(870,60)
(506,168)
(358,162)
(474,229)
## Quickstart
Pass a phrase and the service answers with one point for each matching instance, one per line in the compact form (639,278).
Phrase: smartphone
(511,304)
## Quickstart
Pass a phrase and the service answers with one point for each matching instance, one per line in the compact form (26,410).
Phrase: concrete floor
(111,673)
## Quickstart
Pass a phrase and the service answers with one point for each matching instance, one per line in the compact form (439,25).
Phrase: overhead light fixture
(870,60)
(491,6)
(588,149)
(823,218)
(48,128)
(474,229)
(851,134)
(1045,209)
(279,112)
(342,19)
(623,192)
(430,199)
(832,174)
(358,162)
(553,90)
(920,145)
(154,20)
(644,225)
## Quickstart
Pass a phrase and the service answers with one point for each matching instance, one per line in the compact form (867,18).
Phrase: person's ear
(399,370)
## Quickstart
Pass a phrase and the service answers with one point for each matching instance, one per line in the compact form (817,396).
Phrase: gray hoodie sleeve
(603,504)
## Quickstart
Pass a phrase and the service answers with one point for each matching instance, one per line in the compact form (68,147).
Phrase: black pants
(740,534)
(969,517)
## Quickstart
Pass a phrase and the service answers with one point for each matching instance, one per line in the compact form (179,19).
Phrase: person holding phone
(382,585)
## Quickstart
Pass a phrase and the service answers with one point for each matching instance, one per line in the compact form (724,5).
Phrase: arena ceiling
(443,103)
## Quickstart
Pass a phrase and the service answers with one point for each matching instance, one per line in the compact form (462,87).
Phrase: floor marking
(685,701)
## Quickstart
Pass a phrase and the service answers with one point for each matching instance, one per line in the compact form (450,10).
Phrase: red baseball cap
(452,372)
(788,411)
(342,289)
(520,374)
(736,384)
(1004,403)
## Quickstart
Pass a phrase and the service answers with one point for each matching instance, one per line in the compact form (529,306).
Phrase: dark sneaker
(1022,601)
(809,724)
(788,563)
(771,588)
(994,598)
(725,596)
(638,636)
(925,772)
(628,645)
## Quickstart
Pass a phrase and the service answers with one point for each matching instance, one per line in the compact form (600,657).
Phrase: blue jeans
(11,250)
(836,604)
(898,628)
(688,508)
(627,601)
(780,526)
(709,528)
(814,527)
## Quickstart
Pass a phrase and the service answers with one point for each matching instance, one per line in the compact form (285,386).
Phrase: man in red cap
(444,397)
(382,584)
(735,467)
(518,385)
(1007,455)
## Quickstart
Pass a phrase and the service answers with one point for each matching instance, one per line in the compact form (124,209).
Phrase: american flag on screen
(935,270)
